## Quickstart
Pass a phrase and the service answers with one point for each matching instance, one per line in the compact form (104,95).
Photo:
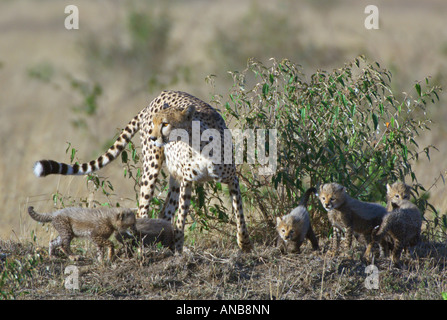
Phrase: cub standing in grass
(348,214)
(147,232)
(294,227)
(402,225)
(98,224)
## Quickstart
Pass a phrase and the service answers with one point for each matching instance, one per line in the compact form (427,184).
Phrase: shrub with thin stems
(345,126)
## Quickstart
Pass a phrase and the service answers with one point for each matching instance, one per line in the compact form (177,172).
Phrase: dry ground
(215,271)
(205,37)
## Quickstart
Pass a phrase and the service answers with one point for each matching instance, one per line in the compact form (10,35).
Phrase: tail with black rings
(44,168)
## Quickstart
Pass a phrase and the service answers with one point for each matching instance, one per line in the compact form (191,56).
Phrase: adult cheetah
(207,120)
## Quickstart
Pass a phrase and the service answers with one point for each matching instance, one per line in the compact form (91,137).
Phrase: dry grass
(214,272)
(36,115)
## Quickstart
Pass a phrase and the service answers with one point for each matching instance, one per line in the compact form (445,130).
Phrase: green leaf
(375,120)
(381,108)
(343,99)
(353,108)
(405,152)
(134,155)
(265,90)
(444,295)
(124,156)
(69,145)
(418,89)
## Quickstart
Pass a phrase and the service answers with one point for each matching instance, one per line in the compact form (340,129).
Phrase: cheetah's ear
(388,187)
(278,220)
(340,188)
(189,112)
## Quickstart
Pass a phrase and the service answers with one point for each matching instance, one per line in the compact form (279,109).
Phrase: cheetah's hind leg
(243,239)
(153,160)
(184,202)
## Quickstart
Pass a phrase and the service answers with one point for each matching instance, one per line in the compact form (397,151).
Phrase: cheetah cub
(98,224)
(294,227)
(348,214)
(396,192)
(147,232)
(402,225)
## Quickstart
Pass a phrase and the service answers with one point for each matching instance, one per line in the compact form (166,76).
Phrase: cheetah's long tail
(40,217)
(43,168)
(307,195)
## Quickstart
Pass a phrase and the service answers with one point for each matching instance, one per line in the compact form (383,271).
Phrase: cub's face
(397,192)
(167,120)
(332,195)
(286,229)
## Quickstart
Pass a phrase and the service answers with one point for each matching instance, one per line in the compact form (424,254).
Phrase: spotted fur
(295,227)
(97,224)
(401,227)
(153,158)
(147,232)
(349,215)
(188,163)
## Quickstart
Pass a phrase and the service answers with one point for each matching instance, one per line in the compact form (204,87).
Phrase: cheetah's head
(397,192)
(170,123)
(332,195)
(286,227)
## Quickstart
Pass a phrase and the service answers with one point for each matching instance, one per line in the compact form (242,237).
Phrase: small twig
(322,277)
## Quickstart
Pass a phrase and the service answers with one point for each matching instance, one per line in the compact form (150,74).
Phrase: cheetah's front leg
(171,203)
(335,240)
(349,235)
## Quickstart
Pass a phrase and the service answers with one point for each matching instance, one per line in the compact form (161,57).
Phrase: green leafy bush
(346,126)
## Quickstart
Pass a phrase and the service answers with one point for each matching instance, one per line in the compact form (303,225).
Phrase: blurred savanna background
(66,93)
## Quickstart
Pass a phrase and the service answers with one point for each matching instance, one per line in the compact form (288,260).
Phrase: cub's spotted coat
(295,227)
(153,158)
(147,232)
(401,226)
(97,224)
(348,214)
